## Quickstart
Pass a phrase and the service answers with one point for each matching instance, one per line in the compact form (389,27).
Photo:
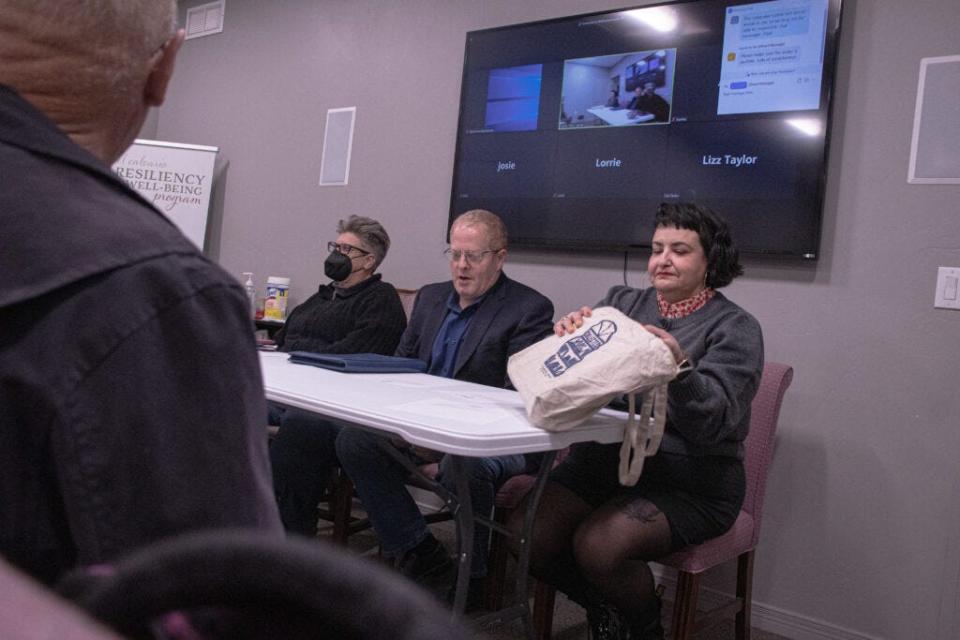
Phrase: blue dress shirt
(446,345)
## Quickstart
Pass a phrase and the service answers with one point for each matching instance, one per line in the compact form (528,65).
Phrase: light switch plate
(948,288)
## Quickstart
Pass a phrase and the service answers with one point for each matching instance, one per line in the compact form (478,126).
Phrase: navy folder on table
(359,362)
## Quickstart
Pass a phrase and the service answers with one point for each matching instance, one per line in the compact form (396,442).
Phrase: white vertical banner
(176,178)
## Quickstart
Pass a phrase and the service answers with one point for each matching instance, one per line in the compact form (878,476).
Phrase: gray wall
(149,128)
(862,519)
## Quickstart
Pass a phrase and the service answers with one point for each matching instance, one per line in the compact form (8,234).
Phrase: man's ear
(501,257)
(162,70)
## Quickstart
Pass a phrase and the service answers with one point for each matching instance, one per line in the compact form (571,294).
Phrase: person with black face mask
(355,313)
(338,266)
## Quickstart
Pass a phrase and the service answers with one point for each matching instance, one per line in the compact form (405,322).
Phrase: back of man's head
(85,63)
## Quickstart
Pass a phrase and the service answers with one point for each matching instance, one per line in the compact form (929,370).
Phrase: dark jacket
(131,403)
(653,104)
(366,318)
(511,317)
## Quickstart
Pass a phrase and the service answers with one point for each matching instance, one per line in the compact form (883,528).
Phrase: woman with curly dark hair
(593,537)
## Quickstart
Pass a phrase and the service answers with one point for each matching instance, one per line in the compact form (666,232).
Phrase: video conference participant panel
(507,165)
(510,98)
(739,159)
(620,89)
(611,163)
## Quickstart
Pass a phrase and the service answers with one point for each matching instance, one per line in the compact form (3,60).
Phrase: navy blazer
(511,317)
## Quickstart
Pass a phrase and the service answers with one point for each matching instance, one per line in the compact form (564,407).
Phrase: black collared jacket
(131,402)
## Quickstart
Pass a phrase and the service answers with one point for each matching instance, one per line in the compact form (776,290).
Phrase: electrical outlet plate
(948,288)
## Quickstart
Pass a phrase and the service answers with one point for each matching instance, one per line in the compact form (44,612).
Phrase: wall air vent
(205,19)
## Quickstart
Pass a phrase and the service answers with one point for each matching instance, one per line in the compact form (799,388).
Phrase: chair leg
(744,594)
(342,507)
(543,599)
(685,605)
(497,574)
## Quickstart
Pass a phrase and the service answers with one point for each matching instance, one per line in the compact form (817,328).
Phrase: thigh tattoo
(638,509)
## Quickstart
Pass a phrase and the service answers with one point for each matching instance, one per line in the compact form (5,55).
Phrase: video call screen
(574,130)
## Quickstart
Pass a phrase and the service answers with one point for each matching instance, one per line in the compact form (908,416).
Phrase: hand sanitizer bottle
(251,292)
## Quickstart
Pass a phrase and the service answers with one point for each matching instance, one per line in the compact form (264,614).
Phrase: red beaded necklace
(683,308)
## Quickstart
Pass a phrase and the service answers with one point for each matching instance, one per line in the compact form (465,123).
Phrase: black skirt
(700,496)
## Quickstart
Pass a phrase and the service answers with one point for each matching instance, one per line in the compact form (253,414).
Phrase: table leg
(461,508)
(520,604)
(523,556)
(464,520)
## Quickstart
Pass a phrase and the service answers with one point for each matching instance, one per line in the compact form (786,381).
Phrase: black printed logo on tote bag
(577,348)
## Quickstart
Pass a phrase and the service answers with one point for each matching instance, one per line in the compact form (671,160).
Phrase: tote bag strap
(642,433)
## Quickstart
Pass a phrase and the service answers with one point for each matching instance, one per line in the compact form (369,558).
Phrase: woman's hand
(572,321)
(669,340)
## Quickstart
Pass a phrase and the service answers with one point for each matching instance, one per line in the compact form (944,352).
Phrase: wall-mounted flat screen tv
(575,129)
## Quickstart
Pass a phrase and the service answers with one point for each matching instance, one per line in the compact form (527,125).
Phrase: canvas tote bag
(564,381)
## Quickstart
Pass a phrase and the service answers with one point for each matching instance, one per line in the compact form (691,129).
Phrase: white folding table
(459,418)
(620,117)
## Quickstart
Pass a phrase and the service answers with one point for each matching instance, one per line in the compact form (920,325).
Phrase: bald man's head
(93,66)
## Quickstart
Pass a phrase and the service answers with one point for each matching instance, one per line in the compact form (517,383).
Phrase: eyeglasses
(473,257)
(345,248)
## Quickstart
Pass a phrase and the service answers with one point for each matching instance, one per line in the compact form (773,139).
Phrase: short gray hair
(496,230)
(99,46)
(371,233)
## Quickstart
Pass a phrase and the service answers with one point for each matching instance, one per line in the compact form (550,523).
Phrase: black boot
(606,623)
(651,628)
(425,561)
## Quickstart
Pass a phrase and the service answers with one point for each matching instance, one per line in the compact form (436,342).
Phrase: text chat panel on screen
(772,56)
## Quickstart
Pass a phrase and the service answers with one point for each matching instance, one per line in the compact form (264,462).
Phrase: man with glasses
(355,313)
(466,329)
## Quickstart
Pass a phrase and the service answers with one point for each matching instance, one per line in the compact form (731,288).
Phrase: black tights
(599,555)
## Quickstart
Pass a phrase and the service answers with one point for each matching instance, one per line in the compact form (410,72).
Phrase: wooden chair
(738,543)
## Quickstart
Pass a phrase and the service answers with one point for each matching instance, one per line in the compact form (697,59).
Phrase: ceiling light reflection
(809,126)
(660,18)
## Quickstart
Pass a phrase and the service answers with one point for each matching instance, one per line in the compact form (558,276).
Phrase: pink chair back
(758,452)
(758,447)
(407,298)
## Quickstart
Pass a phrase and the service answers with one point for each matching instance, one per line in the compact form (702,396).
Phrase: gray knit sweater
(708,412)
